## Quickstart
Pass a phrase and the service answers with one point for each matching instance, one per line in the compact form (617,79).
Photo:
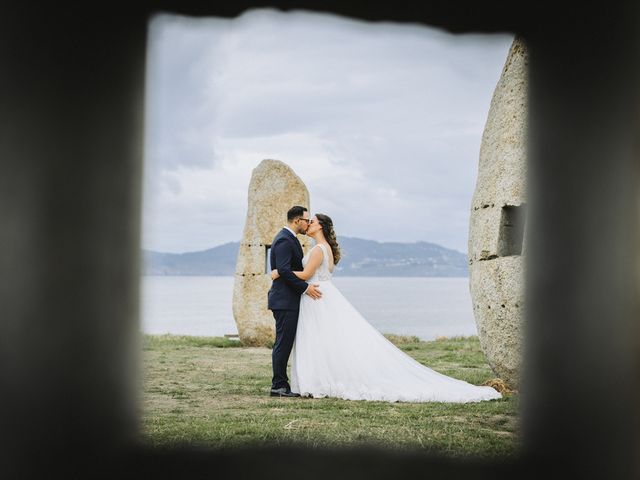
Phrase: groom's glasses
(307,220)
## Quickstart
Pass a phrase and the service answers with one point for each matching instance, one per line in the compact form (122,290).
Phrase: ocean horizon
(427,307)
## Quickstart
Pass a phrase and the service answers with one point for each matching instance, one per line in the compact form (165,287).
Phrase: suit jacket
(286,256)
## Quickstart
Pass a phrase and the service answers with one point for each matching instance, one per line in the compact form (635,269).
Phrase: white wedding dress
(337,353)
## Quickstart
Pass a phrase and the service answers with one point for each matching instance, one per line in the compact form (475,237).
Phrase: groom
(285,293)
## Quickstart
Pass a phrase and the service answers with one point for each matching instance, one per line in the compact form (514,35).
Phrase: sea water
(426,307)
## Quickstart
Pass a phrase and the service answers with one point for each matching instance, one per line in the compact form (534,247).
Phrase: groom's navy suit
(284,301)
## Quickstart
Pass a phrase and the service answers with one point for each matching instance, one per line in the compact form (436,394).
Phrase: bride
(337,353)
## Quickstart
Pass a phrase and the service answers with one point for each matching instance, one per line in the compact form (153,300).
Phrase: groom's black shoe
(283,392)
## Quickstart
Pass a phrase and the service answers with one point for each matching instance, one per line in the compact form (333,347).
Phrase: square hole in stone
(511,233)
(267,258)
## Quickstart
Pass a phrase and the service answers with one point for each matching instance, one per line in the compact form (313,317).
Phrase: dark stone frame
(71,97)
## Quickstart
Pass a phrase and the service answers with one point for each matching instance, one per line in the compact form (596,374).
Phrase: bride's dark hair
(330,235)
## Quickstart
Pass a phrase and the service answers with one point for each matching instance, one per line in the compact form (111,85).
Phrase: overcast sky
(381,121)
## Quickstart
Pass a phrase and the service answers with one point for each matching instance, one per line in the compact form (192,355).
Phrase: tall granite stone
(498,221)
(274,188)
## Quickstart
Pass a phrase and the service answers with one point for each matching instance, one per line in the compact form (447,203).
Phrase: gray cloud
(383,122)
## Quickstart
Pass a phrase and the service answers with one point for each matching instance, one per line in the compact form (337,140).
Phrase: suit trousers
(286,325)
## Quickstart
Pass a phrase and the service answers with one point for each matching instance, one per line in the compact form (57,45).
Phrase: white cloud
(381,121)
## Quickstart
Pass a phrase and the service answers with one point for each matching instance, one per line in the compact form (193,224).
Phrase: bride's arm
(315,259)
(275,275)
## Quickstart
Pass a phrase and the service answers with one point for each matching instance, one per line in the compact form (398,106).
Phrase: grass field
(214,392)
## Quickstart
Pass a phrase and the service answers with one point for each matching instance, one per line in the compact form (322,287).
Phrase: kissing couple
(335,351)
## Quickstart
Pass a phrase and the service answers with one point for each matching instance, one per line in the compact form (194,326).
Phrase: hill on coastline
(360,258)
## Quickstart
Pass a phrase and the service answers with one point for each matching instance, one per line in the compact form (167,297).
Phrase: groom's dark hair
(295,212)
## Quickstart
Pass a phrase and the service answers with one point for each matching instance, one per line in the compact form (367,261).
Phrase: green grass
(214,392)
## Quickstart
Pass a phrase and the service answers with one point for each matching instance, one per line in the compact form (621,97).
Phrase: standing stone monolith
(497,223)
(274,188)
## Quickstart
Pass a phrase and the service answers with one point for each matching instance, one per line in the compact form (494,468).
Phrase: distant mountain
(220,260)
(360,258)
(368,258)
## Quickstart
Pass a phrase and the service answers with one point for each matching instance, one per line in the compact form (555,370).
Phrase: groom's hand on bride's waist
(313,291)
